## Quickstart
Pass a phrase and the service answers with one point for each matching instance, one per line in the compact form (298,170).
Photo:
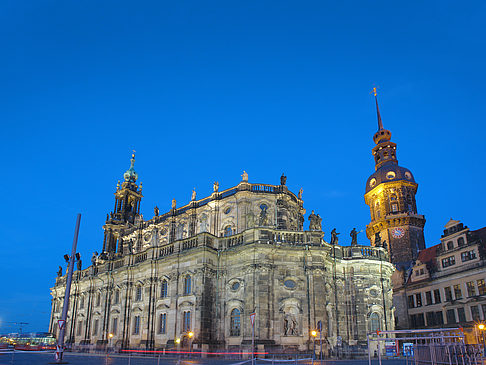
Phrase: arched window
(235,323)
(375,324)
(228,231)
(117,296)
(163,289)
(460,241)
(187,284)
(138,294)
(450,245)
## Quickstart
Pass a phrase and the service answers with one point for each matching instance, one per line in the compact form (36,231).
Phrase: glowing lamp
(314,333)
(177,340)
(481,326)
(190,334)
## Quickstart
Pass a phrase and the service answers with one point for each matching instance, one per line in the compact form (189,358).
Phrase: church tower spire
(128,197)
(390,194)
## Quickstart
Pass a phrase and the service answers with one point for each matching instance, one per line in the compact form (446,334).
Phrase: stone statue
(79,264)
(283,179)
(377,239)
(94,258)
(334,237)
(263,215)
(216,186)
(156,211)
(315,222)
(173,203)
(59,272)
(300,193)
(244,177)
(354,237)
(193,196)
(290,325)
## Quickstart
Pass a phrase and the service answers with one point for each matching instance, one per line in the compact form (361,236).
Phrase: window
(375,322)
(460,242)
(136,325)
(81,305)
(481,288)
(448,294)
(98,299)
(448,261)
(458,291)
(186,325)
(163,289)
(428,298)
(451,316)
(430,318)
(228,231)
(418,299)
(484,310)
(114,326)
(437,296)
(187,285)
(468,255)
(235,324)
(475,313)
(471,289)
(411,302)
(394,207)
(450,245)
(162,323)
(417,320)
(462,314)
(393,197)
(138,293)
(95,327)
(80,327)
(439,318)
(117,296)
(377,209)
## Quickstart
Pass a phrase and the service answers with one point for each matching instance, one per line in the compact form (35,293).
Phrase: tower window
(186,324)
(228,231)
(163,289)
(162,323)
(393,197)
(138,294)
(394,207)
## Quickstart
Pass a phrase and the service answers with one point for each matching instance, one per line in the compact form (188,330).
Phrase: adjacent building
(446,286)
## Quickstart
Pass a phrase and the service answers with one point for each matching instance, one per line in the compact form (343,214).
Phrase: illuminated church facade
(206,266)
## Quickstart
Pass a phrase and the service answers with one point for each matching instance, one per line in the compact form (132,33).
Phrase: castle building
(390,194)
(205,266)
(446,286)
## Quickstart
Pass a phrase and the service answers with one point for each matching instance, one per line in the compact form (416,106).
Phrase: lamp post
(190,335)
(481,328)
(110,336)
(314,335)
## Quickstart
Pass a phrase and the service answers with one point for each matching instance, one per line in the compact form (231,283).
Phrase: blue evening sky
(206,89)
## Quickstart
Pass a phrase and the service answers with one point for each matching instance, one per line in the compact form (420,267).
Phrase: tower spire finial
(380,123)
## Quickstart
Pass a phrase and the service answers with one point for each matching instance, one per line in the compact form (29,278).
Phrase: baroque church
(204,267)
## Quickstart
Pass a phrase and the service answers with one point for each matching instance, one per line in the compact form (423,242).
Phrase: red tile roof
(428,254)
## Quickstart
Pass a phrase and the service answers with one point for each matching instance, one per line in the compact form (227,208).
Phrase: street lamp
(481,328)
(190,334)
(314,335)
(110,336)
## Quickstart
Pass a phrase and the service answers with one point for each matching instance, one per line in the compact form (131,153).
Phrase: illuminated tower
(390,194)
(127,208)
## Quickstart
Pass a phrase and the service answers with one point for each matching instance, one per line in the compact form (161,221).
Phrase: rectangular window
(457,291)
(451,316)
(439,318)
(81,305)
(448,261)
(462,314)
(117,296)
(394,207)
(80,328)
(448,293)
(136,325)
(98,299)
(471,289)
(411,302)
(186,325)
(162,323)
(475,313)
(468,255)
(138,294)
(114,326)
(418,299)
(420,320)
(437,296)
(430,318)
(428,298)
(95,327)
(481,288)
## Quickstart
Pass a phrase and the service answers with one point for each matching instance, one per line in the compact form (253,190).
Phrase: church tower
(126,210)
(390,194)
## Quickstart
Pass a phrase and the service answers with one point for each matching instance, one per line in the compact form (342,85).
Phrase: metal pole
(379,351)
(369,351)
(320,339)
(60,340)
(253,343)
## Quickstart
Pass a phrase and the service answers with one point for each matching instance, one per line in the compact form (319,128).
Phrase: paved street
(30,358)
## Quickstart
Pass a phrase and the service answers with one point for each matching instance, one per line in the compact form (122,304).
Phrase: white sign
(61,323)
(252,318)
